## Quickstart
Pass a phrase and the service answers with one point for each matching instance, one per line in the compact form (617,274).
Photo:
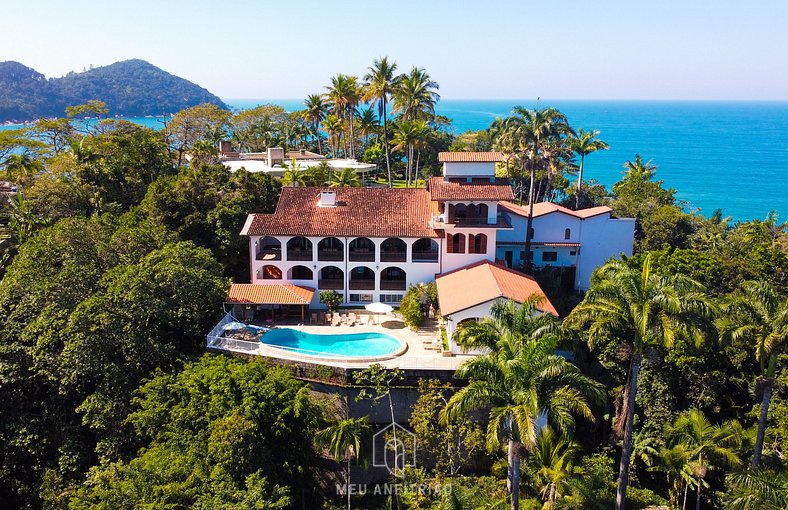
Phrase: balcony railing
(269,254)
(362,284)
(470,222)
(297,254)
(330,255)
(362,256)
(392,285)
(393,256)
(425,256)
(330,284)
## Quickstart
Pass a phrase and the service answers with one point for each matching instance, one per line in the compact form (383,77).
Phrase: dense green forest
(116,255)
(129,88)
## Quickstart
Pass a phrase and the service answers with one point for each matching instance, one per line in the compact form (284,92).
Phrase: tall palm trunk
(513,480)
(551,497)
(700,486)
(765,401)
(579,181)
(386,143)
(686,490)
(626,452)
(347,483)
(528,255)
(352,135)
(317,134)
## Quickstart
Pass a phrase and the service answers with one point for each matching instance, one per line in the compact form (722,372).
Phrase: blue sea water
(717,154)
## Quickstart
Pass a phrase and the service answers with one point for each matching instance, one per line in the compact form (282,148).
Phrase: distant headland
(129,88)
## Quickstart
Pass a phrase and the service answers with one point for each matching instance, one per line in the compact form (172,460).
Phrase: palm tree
(674,462)
(521,380)
(707,445)
(334,127)
(315,112)
(367,123)
(379,83)
(757,490)
(533,131)
(343,93)
(645,311)
(414,95)
(583,144)
(347,439)
(638,170)
(293,175)
(553,461)
(345,178)
(319,174)
(759,316)
(21,168)
(407,135)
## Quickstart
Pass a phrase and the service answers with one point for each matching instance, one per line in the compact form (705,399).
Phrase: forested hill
(130,88)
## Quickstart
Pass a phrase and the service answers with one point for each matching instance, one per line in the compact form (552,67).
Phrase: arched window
(331,249)
(567,233)
(455,243)
(477,243)
(269,273)
(393,250)
(362,278)
(268,248)
(483,212)
(299,273)
(332,278)
(361,249)
(393,278)
(460,213)
(299,248)
(424,250)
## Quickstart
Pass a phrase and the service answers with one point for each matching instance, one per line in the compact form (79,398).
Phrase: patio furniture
(351,319)
(313,318)
(370,320)
(378,308)
(337,320)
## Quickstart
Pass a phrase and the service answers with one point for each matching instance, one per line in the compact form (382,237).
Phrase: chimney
(225,147)
(302,152)
(276,156)
(327,199)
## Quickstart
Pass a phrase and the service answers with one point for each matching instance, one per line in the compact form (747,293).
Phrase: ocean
(716,154)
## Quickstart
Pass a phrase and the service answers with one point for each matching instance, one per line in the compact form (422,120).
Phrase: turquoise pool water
(350,345)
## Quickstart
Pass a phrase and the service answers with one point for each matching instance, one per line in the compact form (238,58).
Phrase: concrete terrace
(423,347)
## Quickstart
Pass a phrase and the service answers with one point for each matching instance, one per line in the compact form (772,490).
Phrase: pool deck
(420,355)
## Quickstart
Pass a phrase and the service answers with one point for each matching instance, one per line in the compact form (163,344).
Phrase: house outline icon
(393,456)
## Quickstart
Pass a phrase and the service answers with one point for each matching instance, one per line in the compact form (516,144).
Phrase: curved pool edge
(339,359)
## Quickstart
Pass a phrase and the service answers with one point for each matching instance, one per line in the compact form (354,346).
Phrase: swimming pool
(345,345)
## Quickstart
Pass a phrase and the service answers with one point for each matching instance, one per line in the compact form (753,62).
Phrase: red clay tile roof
(368,212)
(277,294)
(542,208)
(470,157)
(445,190)
(484,281)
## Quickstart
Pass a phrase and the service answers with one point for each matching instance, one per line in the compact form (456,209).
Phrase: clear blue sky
(572,49)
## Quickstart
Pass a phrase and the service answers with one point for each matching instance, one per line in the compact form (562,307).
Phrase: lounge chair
(351,319)
(337,320)
(327,319)
(370,320)
(313,319)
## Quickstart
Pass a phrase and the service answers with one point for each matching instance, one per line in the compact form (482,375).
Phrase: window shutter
(449,243)
(451,213)
(461,248)
(482,243)
(471,243)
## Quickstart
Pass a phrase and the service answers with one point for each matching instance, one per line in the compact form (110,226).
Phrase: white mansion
(370,244)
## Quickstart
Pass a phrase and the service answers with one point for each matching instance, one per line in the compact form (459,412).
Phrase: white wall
(416,272)
(452,261)
(601,238)
(453,320)
(468,169)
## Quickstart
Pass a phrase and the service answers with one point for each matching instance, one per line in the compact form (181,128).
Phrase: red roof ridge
(543,208)
(470,157)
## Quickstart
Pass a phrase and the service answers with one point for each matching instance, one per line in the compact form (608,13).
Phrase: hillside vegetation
(130,88)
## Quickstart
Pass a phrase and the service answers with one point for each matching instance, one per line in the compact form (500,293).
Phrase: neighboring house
(561,237)
(273,160)
(468,293)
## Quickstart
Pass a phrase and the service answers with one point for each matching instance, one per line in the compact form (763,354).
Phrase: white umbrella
(378,308)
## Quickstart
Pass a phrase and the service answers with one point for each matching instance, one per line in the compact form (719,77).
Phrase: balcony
(269,254)
(362,284)
(299,254)
(330,284)
(362,255)
(501,222)
(330,255)
(425,256)
(393,256)
(392,285)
